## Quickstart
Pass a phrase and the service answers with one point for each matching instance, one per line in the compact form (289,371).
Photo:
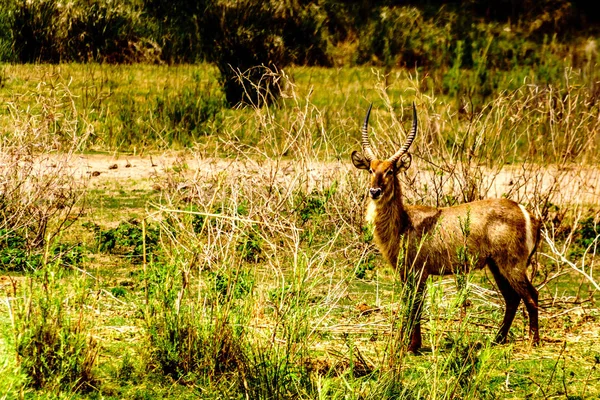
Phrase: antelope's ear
(403,163)
(359,160)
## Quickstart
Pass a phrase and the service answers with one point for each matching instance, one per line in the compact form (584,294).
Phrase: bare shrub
(41,196)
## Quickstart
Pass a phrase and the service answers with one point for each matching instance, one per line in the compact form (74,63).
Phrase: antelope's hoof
(500,340)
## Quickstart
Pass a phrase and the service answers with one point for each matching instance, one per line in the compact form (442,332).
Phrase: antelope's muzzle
(375,193)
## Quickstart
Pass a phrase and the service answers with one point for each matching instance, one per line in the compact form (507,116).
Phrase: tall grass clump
(190,344)
(205,325)
(54,347)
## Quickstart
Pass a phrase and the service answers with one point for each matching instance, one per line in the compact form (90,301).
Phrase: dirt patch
(572,185)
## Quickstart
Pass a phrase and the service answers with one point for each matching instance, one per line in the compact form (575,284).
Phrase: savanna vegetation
(180,218)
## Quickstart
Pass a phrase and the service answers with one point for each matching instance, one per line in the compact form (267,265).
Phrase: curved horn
(367,152)
(409,138)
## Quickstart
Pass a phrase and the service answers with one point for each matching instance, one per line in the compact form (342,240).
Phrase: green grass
(121,198)
(138,108)
(242,266)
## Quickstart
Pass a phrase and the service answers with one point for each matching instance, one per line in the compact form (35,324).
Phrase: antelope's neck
(390,221)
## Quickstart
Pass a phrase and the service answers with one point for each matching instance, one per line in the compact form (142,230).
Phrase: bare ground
(571,184)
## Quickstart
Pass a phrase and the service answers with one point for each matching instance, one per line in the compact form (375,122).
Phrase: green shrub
(126,239)
(68,255)
(15,254)
(588,233)
(37,31)
(190,342)
(403,36)
(250,246)
(366,265)
(105,32)
(97,30)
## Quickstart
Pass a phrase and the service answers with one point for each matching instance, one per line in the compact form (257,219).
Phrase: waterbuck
(498,233)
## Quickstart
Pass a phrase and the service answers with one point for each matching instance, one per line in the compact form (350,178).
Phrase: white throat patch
(371,212)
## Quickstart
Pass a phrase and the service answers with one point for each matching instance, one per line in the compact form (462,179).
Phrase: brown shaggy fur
(494,232)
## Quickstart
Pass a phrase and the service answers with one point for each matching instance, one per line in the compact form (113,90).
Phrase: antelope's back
(467,235)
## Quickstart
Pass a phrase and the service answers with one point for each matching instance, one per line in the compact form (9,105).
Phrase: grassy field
(158,245)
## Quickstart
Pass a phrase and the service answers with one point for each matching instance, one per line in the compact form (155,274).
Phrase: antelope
(502,235)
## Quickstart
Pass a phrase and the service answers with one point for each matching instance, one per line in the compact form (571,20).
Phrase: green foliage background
(310,32)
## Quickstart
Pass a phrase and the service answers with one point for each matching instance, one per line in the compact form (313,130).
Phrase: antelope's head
(384,182)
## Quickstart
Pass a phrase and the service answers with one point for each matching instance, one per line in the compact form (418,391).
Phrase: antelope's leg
(512,299)
(415,318)
(530,298)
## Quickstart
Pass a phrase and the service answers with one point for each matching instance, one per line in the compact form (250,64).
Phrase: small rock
(366,309)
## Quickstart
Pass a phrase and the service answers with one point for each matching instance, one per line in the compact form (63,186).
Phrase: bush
(402,36)
(126,239)
(14,254)
(106,32)
(36,30)
(49,31)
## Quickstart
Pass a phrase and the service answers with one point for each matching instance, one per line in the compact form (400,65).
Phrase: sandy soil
(573,184)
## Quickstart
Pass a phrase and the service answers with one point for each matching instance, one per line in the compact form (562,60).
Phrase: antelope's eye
(370,171)
(389,172)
